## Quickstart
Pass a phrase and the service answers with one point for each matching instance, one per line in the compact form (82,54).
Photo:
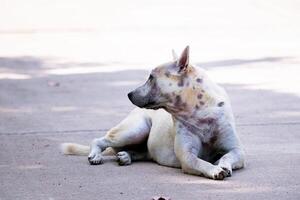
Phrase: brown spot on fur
(167,96)
(178,101)
(199,96)
(181,81)
(207,120)
(111,136)
(189,96)
(201,103)
(199,80)
(220,104)
(185,117)
(173,77)
(179,104)
(112,133)
(167,74)
(196,107)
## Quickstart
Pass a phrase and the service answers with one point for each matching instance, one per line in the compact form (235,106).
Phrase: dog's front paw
(218,173)
(228,170)
(95,159)
(123,158)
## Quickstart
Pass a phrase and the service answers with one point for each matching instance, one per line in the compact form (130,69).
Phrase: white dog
(184,120)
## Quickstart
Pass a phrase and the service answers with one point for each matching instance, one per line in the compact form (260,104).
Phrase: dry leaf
(160,198)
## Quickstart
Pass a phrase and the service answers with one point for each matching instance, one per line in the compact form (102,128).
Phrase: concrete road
(40,113)
(66,67)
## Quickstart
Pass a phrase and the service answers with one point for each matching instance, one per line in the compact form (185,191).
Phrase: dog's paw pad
(123,158)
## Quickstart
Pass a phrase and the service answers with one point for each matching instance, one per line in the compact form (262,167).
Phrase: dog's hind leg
(133,130)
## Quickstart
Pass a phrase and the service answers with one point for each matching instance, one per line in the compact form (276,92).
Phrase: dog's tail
(74,149)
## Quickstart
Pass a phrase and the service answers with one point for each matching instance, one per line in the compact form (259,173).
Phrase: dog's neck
(202,122)
(196,108)
(201,116)
(198,103)
(191,103)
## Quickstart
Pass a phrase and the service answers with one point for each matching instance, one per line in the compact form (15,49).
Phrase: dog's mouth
(142,104)
(152,105)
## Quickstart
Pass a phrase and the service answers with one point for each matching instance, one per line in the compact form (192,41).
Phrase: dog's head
(173,86)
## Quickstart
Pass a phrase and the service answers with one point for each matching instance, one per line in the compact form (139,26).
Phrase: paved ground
(65,79)
(36,116)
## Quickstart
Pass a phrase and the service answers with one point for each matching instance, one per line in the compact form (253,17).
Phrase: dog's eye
(151,77)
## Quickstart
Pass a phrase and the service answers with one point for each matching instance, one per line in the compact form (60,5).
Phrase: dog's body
(187,123)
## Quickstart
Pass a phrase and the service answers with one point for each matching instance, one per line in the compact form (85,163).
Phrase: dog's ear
(183,61)
(174,54)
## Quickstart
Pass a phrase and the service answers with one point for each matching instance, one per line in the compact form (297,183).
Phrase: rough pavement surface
(66,79)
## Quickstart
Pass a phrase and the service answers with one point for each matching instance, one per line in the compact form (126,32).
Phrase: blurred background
(75,37)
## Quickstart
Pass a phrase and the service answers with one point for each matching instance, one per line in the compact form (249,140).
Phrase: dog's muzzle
(130,96)
(136,99)
(140,101)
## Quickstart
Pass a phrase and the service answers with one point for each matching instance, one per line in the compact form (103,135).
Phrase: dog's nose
(130,94)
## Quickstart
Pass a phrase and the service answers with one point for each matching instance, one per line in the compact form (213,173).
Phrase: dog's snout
(136,99)
(130,94)
(140,97)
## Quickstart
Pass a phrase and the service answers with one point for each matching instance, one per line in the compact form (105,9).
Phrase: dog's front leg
(187,147)
(228,141)
(234,159)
